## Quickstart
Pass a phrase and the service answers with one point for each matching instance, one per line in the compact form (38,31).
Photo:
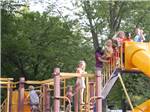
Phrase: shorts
(81,82)
(35,108)
(98,71)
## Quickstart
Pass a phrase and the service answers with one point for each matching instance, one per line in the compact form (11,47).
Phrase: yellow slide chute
(137,55)
(144,107)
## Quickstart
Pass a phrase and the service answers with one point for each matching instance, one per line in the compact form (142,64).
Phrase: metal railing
(3,106)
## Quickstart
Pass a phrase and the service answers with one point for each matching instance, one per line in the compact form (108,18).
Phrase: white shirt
(34,98)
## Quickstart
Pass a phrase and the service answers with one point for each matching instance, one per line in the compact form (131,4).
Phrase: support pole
(76,97)
(126,93)
(64,93)
(56,90)
(21,95)
(91,84)
(98,92)
(87,105)
(46,99)
(9,96)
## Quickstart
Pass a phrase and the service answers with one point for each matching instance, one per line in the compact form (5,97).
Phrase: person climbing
(99,60)
(34,99)
(69,95)
(81,80)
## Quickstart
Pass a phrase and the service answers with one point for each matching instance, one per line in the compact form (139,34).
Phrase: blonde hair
(82,62)
(31,88)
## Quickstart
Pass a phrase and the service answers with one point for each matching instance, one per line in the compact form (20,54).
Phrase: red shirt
(127,40)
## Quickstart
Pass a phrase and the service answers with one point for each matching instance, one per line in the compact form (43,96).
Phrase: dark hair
(127,34)
(99,50)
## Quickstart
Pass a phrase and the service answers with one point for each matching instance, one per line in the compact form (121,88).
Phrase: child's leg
(81,96)
(68,108)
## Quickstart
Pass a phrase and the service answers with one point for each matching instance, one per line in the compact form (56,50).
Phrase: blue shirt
(34,98)
(137,38)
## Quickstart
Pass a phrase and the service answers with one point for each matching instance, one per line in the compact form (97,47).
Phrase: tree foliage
(33,44)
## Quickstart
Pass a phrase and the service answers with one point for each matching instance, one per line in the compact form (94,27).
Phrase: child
(81,80)
(108,50)
(34,99)
(139,35)
(69,94)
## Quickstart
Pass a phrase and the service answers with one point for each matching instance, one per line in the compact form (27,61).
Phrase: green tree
(33,44)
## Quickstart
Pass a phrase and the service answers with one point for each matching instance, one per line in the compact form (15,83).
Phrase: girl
(81,80)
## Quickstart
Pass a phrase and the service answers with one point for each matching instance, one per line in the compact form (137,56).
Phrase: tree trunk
(115,16)
(92,29)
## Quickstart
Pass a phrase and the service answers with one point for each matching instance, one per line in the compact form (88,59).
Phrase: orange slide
(15,102)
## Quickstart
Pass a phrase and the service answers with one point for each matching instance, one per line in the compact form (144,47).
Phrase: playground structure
(97,88)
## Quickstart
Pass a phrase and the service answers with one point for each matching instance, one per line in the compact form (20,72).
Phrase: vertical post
(76,105)
(48,101)
(91,84)
(21,95)
(98,92)
(56,89)
(87,105)
(41,98)
(9,97)
(46,98)
(64,92)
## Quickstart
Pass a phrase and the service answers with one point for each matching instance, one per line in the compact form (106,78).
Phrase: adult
(99,60)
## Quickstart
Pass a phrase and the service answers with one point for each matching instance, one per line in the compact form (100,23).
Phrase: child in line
(34,99)
(139,35)
(81,80)
(69,95)
(108,50)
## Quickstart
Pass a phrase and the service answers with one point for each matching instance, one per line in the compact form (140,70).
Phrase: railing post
(98,92)
(9,96)
(21,95)
(91,84)
(76,102)
(56,89)
(46,99)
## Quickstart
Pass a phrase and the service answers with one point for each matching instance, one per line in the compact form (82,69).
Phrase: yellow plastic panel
(137,55)
(144,107)
(15,102)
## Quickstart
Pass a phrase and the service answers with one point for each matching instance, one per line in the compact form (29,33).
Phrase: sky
(41,5)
